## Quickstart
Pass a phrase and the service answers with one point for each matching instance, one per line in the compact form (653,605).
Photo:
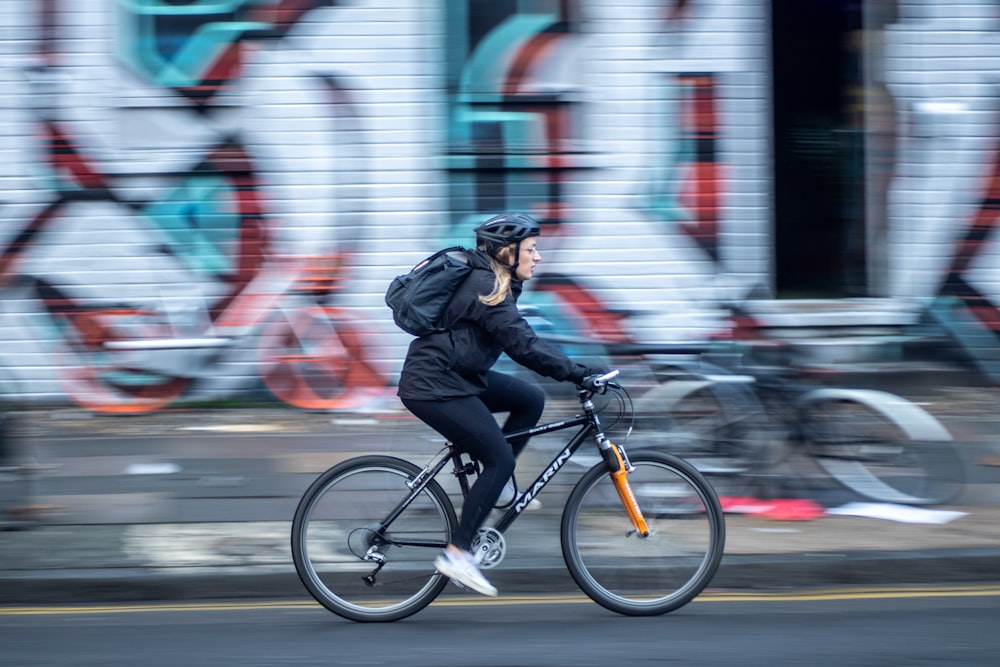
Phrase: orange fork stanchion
(619,477)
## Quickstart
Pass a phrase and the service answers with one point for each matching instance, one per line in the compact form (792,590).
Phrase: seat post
(463,469)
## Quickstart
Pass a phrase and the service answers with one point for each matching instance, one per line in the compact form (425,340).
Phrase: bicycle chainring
(488,548)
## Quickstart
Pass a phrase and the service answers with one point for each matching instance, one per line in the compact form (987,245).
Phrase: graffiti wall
(940,67)
(207,199)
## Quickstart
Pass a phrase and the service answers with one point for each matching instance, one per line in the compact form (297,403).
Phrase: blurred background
(205,201)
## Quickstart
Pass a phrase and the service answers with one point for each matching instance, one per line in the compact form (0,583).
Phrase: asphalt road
(858,627)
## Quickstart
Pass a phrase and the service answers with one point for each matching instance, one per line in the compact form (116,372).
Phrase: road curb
(741,572)
(934,566)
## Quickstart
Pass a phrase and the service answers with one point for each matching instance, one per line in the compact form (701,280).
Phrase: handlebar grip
(607,377)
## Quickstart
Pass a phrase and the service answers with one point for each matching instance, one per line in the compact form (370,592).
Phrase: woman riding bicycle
(447,381)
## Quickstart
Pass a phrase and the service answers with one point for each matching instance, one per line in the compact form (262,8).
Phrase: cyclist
(447,381)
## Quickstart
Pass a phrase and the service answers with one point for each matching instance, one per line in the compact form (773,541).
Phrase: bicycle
(739,419)
(641,534)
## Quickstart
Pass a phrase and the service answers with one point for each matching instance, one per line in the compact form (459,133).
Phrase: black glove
(579,372)
(590,384)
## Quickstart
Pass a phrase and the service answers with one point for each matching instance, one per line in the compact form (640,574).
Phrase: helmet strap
(517,259)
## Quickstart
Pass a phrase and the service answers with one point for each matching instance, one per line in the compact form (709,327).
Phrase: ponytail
(501,277)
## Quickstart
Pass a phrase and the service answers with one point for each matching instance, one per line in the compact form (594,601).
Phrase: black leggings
(468,423)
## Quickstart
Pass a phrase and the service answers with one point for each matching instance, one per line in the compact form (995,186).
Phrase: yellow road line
(872,593)
(869,593)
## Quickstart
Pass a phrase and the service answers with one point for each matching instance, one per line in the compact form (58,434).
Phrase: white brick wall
(942,64)
(375,182)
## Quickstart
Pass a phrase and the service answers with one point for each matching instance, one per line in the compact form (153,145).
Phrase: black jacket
(453,363)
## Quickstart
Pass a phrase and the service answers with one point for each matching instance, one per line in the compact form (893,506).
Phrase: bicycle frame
(590,426)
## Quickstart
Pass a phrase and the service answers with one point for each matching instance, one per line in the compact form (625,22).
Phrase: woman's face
(529,258)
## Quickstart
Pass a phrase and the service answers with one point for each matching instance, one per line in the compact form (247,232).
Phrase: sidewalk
(198,504)
(119,562)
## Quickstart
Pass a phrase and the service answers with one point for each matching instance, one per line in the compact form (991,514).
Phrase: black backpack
(418,298)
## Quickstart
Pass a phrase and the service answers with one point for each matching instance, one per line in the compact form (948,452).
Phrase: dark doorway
(819,232)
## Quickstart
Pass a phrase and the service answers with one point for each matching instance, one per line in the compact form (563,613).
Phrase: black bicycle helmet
(504,229)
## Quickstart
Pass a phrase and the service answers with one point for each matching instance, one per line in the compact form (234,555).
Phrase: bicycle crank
(488,548)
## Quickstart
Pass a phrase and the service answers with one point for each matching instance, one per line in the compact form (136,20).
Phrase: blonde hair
(501,277)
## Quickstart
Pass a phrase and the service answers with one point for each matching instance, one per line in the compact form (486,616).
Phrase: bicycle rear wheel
(340,535)
(644,576)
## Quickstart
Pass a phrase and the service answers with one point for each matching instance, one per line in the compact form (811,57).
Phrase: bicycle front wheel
(635,575)
(364,553)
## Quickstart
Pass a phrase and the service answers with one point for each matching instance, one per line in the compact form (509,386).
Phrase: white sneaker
(462,568)
(507,496)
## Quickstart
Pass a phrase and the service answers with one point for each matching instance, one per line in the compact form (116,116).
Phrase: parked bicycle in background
(741,411)
(759,429)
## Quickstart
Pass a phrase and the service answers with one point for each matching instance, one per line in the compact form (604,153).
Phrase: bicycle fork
(619,468)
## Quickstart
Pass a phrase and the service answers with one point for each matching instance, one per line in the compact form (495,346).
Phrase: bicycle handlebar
(598,384)
(607,377)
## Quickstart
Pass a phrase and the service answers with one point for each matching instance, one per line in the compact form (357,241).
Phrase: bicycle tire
(638,576)
(881,446)
(335,525)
